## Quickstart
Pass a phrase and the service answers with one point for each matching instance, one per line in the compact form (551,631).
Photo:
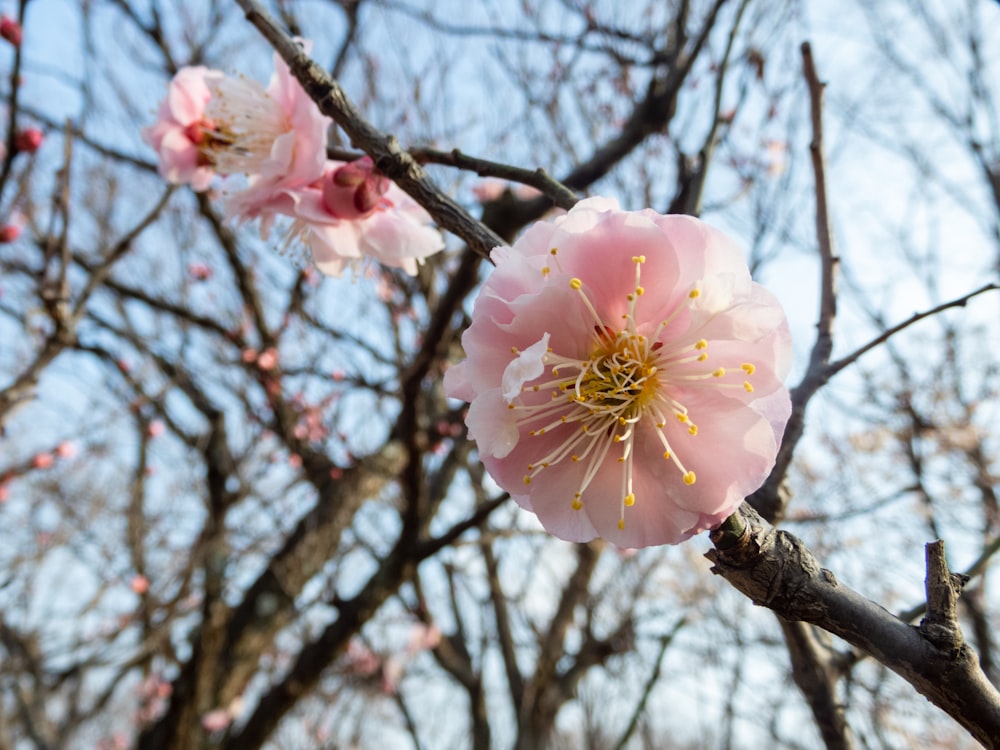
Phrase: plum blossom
(351,213)
(625,375)
(183,136)
(213,124)
(276,136)
(28,140)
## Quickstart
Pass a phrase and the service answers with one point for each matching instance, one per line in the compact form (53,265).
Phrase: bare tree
(240,512)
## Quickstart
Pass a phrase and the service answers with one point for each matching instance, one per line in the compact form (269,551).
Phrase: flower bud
(11,30)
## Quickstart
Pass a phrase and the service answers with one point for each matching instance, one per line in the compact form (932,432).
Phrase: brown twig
(768,500)
(834,367)
(390,159)
(776,570)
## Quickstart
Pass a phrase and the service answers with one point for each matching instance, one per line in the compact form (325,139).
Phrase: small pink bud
(42,460)
(268,359)
(216,721)
(354,173)
(9,233)
(28,140)
(156,428)
(295,460)
(139,584)
(336,473)
(4,493)
(66,449)
(11,30)
(200,271)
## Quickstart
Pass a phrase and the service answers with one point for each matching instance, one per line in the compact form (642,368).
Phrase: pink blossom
(156,428)
(423,637)
(11,30)
(28,140)
(42,460)
(9,233)
(268,359)
(341,223)
(361,660)
(216,720)
(200,271)
(276,136)
(4,492)
(66,450)
(183,136)
(625,375)
(139,584)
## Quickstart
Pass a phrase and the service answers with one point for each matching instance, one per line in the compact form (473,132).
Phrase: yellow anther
(553,251)
(621,524)
(621,459)
(693,429)
(702,344)
(694,293)
(576,283)
(748,368)
(575,459)
(719,373)
(661,425)
(621,421)
(546,271)
(747,387)
(577,503)
(510,406)
(689,478)
(617,439)
(702,357)
(513,350)
(682,418)
(527,480)
(640,291)
(638,258)
(666,455)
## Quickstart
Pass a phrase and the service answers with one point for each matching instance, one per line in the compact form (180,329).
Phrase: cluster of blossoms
(211,124)
(625,375)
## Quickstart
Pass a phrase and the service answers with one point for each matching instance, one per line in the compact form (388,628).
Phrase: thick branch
(777,571)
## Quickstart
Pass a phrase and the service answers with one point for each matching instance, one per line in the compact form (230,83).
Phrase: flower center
(598,403)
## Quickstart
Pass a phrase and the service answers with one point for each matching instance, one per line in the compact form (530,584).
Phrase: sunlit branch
(776,570)
(389,157)
(836,366)
(768,499)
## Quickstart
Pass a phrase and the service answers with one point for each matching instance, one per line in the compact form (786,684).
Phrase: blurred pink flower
(183,136)
(276,136)
(4,493)
(200,271)
(139,584)
(268,359)
(66,449)
(11,30)
(42,460)
(156,428)
(361,660)
(625,375)
(28,140)
(9,233)
(216,720)
(343,223)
